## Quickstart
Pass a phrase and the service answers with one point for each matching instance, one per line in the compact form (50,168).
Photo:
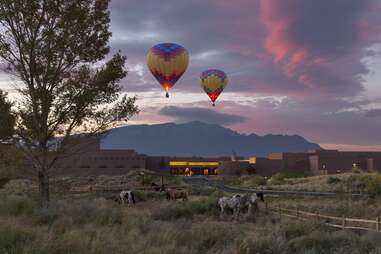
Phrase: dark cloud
(373,113)
(180,114)
(321,44)
(265,46)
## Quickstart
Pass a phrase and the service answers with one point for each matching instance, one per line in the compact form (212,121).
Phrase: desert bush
(357,182)
(206,206)
(370,184)
(14,205)
(277,179)
(373,186)
(252,181)
(13,240)
(333,180)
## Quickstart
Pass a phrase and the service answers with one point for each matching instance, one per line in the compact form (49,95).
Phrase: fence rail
(332,221)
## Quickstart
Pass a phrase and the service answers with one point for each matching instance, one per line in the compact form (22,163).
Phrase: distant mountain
(200,139)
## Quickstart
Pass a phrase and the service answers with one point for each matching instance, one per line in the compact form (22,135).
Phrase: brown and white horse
(173,194)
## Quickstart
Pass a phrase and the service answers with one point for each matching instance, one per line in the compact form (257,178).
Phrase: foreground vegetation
(89,224)
(359,182)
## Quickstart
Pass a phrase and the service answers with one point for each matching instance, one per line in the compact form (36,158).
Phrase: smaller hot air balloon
(167,63)
(213,82)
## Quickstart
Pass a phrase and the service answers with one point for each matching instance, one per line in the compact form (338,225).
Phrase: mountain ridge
(200,139)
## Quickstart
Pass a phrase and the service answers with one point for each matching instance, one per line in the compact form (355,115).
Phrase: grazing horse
(157,187)
(239,203)
(173,194)
(127,197)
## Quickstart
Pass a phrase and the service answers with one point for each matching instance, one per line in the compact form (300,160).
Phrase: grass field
(90,224)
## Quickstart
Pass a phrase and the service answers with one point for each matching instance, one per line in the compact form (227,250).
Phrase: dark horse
(157,187)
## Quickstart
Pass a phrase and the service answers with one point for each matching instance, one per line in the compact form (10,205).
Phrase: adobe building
(318,162)
(86,158)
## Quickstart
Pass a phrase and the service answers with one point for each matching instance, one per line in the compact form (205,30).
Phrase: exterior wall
(86,158)
(318,162)
(235,168)
(267,167)
(336,162)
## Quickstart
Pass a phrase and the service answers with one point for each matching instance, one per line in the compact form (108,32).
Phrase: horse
(239,203)
(127,196)
(173,194)
(157,187)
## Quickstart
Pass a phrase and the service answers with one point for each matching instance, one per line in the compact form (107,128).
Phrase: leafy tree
(59,51)
(7,118)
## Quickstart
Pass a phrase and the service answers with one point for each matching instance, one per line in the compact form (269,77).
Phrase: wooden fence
(332,221)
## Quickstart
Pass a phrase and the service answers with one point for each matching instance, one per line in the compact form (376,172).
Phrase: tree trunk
(43,183)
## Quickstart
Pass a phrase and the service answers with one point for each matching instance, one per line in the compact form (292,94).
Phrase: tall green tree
(59,51)
(7,118)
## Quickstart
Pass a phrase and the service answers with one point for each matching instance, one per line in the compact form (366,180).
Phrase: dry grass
(93,225)
(339,183)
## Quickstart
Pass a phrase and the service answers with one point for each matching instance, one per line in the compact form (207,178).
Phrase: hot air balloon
(167,62)
(213,82)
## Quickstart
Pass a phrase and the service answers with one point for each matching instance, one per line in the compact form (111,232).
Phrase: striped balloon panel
(213,82)
(167,62)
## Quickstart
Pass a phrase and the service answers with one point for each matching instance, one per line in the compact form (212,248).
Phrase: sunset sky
(307,67)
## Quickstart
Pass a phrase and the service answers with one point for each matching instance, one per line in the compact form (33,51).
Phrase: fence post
(344,222)
(378,223)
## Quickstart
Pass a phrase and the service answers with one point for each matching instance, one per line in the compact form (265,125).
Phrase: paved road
(204,181)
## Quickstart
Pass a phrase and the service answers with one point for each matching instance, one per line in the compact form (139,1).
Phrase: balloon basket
(167,95)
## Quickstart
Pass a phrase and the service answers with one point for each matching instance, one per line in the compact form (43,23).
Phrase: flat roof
(193,163)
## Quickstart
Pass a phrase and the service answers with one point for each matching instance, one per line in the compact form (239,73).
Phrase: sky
(305,67)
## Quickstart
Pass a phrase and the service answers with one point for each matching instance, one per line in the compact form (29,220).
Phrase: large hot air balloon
(213,82)
(167,62)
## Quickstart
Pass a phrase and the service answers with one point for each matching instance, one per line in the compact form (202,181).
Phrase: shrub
(252,181)
(13,240)
(13,205)
(205,206)
(278,178)
(4,181)
(46,215)
(373,186)
(365,183)
(149,195)
(333,180)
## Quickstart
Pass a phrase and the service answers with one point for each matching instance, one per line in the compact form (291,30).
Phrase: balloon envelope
(167,63)
(213,82)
